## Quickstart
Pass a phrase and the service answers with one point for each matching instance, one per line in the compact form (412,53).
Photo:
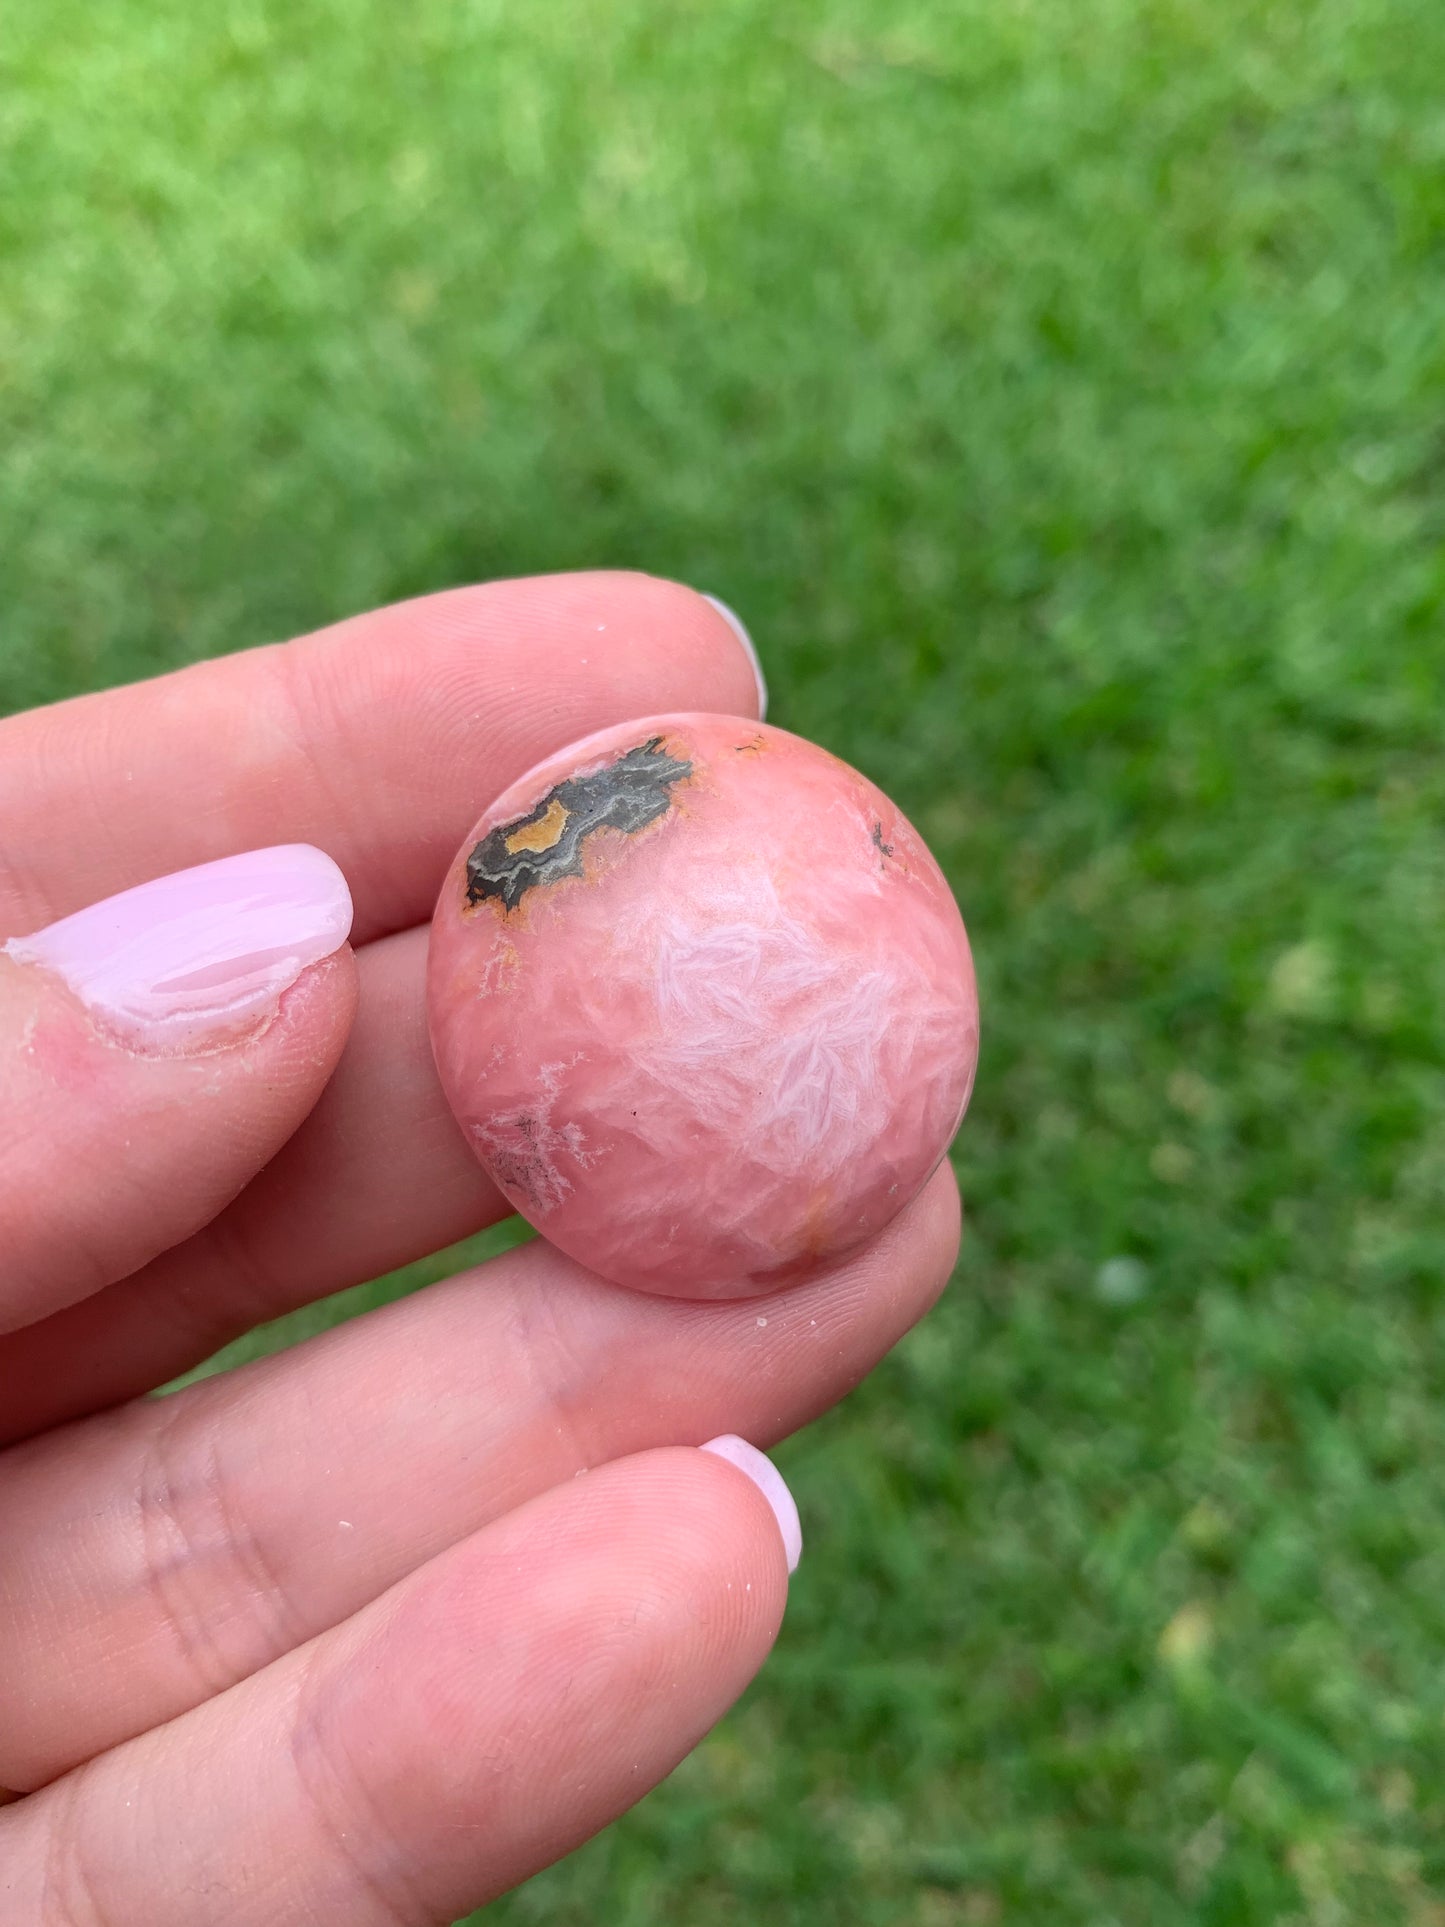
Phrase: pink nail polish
(188,960)
(769,1481)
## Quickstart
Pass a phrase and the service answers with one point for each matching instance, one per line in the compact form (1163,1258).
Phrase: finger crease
(344,1811)
(563,1373)
(200,1558)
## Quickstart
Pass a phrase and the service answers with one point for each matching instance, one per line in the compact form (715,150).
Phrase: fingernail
(735,623)
(189,959)
(769,1481)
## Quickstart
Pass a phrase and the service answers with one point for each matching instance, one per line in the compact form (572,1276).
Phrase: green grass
(1058,389)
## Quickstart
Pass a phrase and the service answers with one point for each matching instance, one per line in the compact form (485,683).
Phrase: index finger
(379,740)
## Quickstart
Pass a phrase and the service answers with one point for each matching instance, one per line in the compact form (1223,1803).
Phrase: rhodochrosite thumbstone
(703,1004)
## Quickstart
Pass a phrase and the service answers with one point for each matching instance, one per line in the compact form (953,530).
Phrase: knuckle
(204,1567)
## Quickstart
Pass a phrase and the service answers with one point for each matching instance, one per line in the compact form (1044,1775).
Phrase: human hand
(342,1636)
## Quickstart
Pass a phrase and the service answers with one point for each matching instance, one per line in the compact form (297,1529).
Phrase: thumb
(156,1050)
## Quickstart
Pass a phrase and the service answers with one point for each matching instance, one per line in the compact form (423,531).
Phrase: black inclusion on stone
(627,796)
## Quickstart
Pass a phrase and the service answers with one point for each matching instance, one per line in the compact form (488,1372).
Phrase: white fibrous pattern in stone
(780,1044)
(527,1150)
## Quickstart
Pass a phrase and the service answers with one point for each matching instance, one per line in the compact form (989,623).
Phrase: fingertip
(735,622)
(320,1008)
(687,639)
(926,1237)
(758,1467)
(943,1199)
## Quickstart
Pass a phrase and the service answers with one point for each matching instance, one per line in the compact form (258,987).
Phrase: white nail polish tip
(735,623)
(769,1481)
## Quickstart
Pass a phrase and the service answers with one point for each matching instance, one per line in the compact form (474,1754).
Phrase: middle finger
(158,1554)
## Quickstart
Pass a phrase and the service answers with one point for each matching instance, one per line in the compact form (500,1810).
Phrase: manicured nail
(186,960)
(769,1481)
(735,623)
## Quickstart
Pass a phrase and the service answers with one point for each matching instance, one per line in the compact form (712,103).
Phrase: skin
(343,1636)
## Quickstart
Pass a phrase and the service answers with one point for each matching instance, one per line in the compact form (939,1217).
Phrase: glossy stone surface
(703,1004)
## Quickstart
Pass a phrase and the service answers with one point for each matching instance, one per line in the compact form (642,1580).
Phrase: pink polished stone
(703,1004)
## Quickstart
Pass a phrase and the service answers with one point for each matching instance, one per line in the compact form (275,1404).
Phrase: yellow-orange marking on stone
(542,834)
(815,1224)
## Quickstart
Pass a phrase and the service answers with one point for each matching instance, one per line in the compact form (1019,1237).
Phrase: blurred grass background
(1057,388)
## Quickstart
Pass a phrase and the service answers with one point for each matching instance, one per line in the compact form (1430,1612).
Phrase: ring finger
(475,1722)
(160,1553)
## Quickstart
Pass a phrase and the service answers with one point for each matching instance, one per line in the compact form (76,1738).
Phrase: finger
(155,1050)
(376,1176)
(380,740)
(472,1725)
(157,1555)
